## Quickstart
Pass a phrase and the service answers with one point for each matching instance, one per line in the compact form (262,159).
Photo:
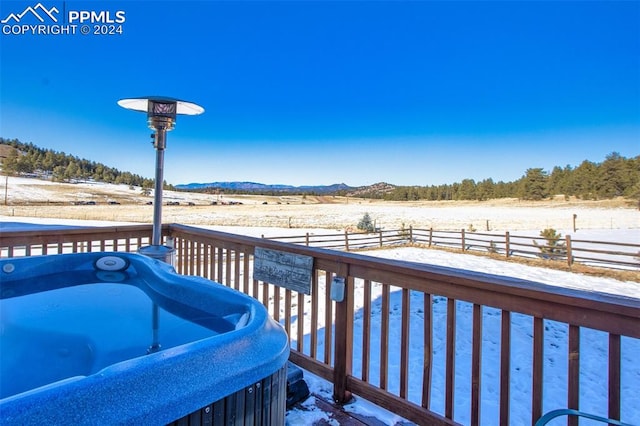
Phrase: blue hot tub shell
(245,345)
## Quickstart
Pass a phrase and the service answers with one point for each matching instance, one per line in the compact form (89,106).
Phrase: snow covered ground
(593,357)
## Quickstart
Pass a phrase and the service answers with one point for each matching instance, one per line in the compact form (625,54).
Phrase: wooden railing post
(614,376)
(178,243)
(380,234)
(346,240)
(411,233)
(430,236)
(573,391)
(507,244)
(462,238)
(505,367)
(306,239)
(343,351)
(569,255)
(537,369)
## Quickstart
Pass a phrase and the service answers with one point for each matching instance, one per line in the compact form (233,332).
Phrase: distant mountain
(262,188)
(377,190)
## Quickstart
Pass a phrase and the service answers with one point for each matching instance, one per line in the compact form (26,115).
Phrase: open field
(43,199)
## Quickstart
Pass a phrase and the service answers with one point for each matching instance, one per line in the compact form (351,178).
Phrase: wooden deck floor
(337,415)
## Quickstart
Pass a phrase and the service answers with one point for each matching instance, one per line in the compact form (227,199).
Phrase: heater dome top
(151,104)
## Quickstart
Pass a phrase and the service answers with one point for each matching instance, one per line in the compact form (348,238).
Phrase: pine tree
(485,190)
(466,190)
(553,248)
(10,163)
(558,182)
(366,224)
(584,180)
(404,232)
(534,184)
(613,176)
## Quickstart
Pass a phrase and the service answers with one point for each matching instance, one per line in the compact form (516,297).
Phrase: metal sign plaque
(288,270)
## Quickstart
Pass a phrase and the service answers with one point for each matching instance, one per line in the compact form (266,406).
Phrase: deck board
(337,415)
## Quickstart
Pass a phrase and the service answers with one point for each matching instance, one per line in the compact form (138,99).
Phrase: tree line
(616,176)
(24,159)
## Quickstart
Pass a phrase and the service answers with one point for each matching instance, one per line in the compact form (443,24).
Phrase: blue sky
(322,92)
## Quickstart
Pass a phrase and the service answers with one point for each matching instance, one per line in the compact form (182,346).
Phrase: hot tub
(119,338)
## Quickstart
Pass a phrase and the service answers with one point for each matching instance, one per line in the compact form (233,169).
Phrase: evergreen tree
(466,190)
(10,163)
(534,185)
(71,171)
(633,190)
(558,182)
(366,224)
(553,248)
(612,177)
(58,174)
(485,190)
(583,180)
(49,162)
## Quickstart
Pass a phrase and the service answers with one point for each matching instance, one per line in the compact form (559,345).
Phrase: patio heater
(161,118)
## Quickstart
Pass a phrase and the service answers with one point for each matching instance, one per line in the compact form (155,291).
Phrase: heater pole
(155,328)
(160,144)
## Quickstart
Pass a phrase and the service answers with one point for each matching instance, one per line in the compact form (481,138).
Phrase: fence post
(411,233)
(430,236)
(346,240)
(380,234)
(507,244)
(307,239)
(343,350)
(462,238)
(569,255)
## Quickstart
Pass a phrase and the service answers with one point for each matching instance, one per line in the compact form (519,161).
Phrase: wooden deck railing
(60,240)
(378,361)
